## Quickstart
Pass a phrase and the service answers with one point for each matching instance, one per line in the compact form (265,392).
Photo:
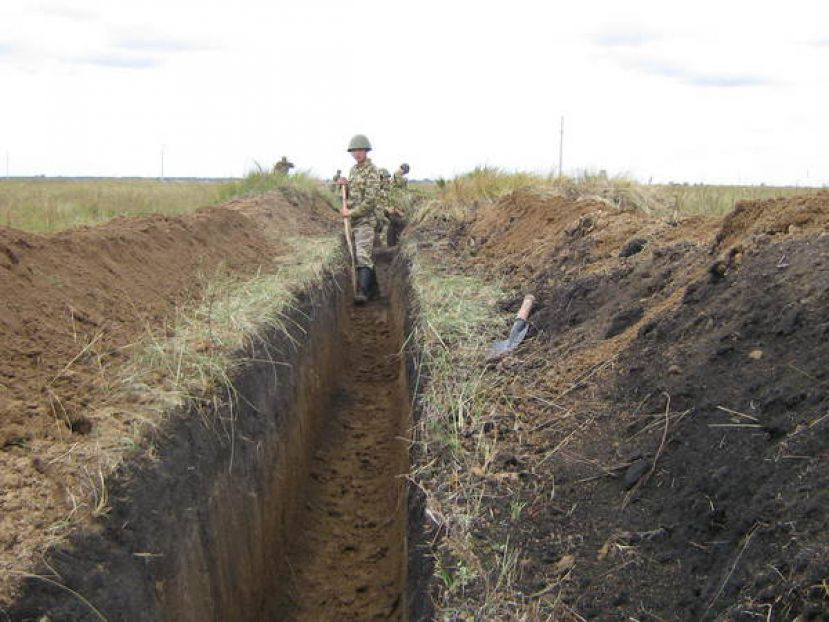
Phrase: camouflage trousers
(364,243)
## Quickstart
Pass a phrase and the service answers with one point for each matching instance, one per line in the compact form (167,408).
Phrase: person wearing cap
(364,194)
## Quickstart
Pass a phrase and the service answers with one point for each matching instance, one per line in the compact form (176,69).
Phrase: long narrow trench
(304,519)
(347,559)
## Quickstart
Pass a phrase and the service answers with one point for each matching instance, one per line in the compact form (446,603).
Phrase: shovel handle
(526,307)
(347,227)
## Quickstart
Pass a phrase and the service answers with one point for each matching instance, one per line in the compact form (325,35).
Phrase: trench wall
(200,534)
(419,534)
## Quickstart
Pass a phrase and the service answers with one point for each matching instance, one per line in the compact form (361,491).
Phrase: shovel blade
(516,336)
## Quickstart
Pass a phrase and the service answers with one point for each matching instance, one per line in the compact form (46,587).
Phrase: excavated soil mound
(288,211)
(531,230)
(71,301)
(71,304)
(742,488)
(758,222)
(665,425)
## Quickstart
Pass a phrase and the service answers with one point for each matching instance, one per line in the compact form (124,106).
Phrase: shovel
(517,334)
(347,225)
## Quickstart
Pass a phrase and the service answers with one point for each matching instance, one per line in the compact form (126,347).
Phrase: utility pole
(561,150)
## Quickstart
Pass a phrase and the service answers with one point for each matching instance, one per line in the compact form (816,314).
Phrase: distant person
(364,190)
(384,205)
(283,167)
(400,182)
(399,205)
(333,185)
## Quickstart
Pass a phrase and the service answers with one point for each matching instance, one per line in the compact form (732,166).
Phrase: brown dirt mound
(71,301)
(531,230)
(755,222)
(288,211)
(71,304)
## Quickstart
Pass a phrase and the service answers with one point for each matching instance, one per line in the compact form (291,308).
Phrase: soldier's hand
(342,181)
(345,212)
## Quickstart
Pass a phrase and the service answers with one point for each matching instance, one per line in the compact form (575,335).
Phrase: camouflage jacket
(399,182)
(364,192)
(399,196)
(385,198)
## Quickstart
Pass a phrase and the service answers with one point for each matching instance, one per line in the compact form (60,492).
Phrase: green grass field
(48,205)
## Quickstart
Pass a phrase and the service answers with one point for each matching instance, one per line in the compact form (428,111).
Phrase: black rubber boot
(363,285)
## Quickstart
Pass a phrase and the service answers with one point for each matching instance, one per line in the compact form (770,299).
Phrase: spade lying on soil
(517,334)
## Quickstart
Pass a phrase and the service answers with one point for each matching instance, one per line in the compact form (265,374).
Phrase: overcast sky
(724,91)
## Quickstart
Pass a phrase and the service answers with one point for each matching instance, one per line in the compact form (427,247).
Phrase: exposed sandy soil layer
(71,307)
(663,428)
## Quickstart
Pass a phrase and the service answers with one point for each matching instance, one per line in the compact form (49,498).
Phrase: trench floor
(347,561)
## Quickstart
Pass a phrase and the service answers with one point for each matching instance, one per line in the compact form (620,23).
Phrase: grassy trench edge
(458,321)
(210,341)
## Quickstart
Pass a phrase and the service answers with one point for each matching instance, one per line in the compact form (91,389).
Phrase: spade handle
(526,307)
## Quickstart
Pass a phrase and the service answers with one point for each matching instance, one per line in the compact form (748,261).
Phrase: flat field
(45,205)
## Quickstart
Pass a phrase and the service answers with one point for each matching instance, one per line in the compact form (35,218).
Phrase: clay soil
(72,306)
(348,559)
(663,429)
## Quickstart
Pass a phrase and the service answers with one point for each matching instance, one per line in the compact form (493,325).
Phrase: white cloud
(624,36)
(652,88)
(118,61)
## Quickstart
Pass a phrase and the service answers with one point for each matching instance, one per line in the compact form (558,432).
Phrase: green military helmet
(384,173)
(359,141)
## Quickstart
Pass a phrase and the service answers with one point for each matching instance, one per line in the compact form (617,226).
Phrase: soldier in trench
(364,192)
(383,207)
(398,205)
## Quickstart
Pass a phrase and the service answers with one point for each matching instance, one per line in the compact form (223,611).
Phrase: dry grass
(46,205)
(456,198)
(691,200)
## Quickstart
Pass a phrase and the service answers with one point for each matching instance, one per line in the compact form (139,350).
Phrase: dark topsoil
(667,422)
